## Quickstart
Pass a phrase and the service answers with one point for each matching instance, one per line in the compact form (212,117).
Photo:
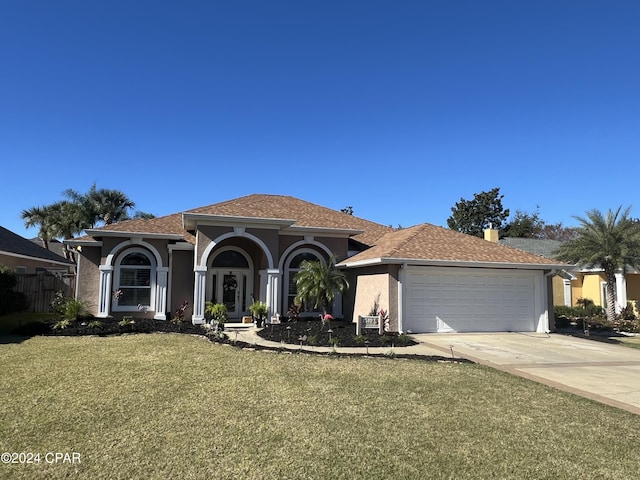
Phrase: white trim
(199,291)
(104,292)
(119,248)
(402,278)
(323,231)
(567,291)
(83,243)
(180,246)
(217,240)
(448,263)
(125,234)
(290,254)
(190,221)
(153,282)
(246,271)
(621,292)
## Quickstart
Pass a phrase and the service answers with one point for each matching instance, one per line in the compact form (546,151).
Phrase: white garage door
(469,300)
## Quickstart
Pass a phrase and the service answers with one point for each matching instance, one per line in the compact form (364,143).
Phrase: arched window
(293,266)
(135,275)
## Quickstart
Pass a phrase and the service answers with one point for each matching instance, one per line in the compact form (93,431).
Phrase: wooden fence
(40,288)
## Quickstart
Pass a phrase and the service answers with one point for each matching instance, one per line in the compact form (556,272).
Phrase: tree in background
(474,216)
(39,217)
(67,218)
(348,210)
(524,225)
(610,242)
(102,205)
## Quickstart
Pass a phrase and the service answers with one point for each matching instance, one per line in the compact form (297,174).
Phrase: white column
(273,292)
(621,292)
(161,293)
(402,275)
(199,294)
(105,294)
(567,292)
(541,306)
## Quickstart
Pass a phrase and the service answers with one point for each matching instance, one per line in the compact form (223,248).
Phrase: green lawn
(167,406)
(633,342)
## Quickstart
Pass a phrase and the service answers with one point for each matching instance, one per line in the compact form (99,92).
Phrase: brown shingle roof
(169,224)
(305,214)
(429,242)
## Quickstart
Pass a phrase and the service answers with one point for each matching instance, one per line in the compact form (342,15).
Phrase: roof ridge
(418,228)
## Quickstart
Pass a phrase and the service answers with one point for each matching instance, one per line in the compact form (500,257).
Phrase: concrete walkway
(604,372)
(600,371)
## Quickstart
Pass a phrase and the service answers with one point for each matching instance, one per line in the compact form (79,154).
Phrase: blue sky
(396,108)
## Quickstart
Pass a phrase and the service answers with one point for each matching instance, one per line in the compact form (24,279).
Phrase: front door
(230,288)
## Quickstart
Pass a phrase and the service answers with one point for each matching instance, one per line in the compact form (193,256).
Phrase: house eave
(128,234)
(448,263)
(39,259)
(321,231)
(83,243)
(191,220)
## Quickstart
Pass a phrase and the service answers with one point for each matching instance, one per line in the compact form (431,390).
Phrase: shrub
(217,313)
(74,309)
(10,300)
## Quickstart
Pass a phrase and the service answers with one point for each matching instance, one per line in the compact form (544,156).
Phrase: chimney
(491,234)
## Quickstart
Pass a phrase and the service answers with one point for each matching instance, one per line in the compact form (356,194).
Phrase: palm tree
(39,217)
(317,283)
(110,205)
(610,242)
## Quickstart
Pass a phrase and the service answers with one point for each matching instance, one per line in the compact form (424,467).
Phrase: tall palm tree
(110,205)
(67,219)
(317,283)
(39,217)
(610,242)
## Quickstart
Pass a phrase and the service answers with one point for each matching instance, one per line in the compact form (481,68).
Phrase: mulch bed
(311,332)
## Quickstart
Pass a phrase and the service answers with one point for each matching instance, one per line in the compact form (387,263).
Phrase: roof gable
(257,206)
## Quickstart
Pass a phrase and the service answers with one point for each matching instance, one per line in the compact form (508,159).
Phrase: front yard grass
(178,406)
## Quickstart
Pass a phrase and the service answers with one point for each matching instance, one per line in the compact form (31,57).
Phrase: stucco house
(430,279)
(24,256)
(576,282)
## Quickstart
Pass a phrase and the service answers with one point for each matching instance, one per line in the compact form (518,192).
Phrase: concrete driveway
(600,371)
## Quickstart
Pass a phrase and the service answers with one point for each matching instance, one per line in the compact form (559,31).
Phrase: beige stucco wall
(31,265)
(633,290)
(88,278)
(557,287)
(376,284)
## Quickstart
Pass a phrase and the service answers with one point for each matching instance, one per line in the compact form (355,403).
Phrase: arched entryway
(230,280)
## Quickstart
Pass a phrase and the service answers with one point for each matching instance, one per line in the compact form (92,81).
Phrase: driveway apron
(600,371)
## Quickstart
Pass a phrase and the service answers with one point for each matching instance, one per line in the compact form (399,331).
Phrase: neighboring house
(578,282)
(428,278)
(24,256)
(562,280)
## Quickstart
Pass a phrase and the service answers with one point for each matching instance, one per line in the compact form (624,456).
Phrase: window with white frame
(292,267)
(135,273)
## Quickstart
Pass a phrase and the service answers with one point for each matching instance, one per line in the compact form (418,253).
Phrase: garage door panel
(469,301)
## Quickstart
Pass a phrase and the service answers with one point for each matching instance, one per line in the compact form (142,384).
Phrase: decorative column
(104,294)
(161,293)
(273,292)
(621,292)
(199,294)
